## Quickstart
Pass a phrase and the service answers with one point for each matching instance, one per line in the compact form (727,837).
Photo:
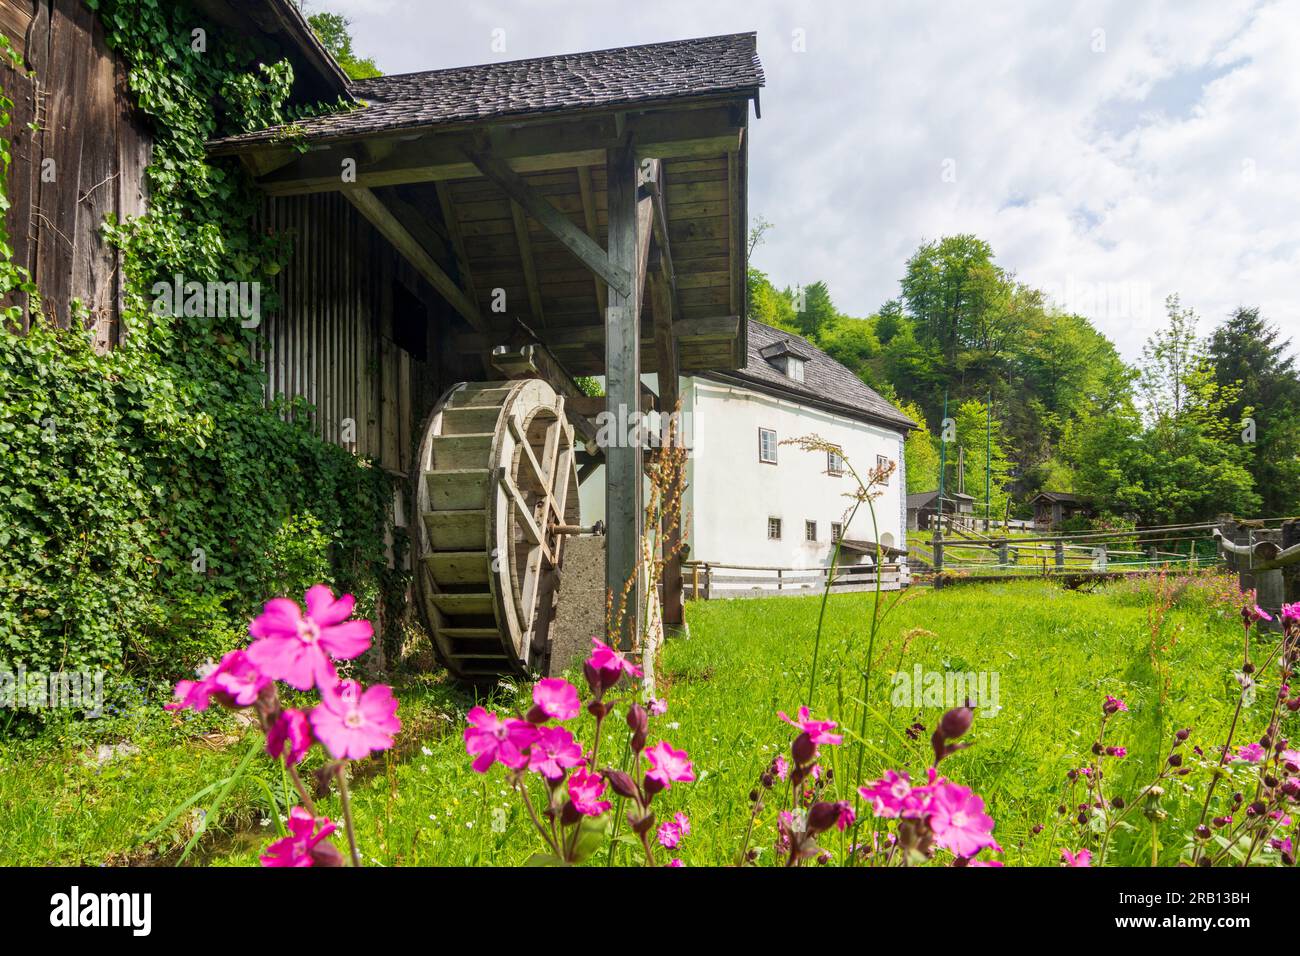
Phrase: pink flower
(553,752)
(1113,704)
(491,740)
(668,766)
(1291,612)
(657,707)
(1255,613)
(352,724)
(1117,751)
(605,666)
(299,848)
(672,831)
(958,819)
(585,790)
(235,682)
(1249,753)
(297,649)
(894,796)
(556,698)
(818,731)
(290,727)
(677,863)
(846,815)
(1082,858)
(1290,760)
(782,766)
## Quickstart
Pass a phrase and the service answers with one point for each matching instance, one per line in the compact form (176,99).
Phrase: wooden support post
(623,459)
(1059,547)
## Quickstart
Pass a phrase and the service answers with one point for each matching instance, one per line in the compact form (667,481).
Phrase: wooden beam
(589,218)
(623,468)
(586,249)
(684,330)
(379,215)
(647,172)
(526,260)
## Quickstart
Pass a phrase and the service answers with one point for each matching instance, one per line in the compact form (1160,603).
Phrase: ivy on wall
(149,500)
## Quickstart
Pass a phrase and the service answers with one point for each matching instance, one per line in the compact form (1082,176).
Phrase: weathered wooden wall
(333,339)
(79,153)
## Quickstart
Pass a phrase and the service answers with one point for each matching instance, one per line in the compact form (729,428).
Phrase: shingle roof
(922,499)
(826,383)
(705,66)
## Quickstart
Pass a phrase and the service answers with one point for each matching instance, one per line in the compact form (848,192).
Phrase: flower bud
(637,720)
(1175,760)
(1183,734)
(621,783)
(822,816)
(956,722)
(803,749)
(1202,832)
(325,853)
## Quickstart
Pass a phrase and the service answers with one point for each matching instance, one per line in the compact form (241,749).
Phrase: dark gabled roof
(641,75)
(826,383)
(922,498)
(1064,497)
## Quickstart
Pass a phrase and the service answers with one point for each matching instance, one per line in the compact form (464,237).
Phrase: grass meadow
(121,795)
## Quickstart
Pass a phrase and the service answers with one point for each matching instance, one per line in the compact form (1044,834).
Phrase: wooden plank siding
(331,340)
(93,147)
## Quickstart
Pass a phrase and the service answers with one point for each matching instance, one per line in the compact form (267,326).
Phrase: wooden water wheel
(495,480)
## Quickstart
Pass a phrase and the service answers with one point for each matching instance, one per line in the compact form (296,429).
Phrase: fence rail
(708,580)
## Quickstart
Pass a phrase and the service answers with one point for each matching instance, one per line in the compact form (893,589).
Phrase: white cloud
(1165,163)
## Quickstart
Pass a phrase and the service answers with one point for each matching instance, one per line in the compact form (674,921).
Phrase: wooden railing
(706,580)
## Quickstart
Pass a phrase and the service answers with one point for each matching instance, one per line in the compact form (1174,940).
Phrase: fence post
(708,582)
(938,548)
(1059,546)
(695,582)
(1004,554)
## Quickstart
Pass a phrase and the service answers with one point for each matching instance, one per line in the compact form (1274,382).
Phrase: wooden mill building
(543,219)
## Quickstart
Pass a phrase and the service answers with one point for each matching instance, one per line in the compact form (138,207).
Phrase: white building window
(835,462)
(767,445)
(774,529)
(837,531)
(883,462)
(810,530)
(794,368)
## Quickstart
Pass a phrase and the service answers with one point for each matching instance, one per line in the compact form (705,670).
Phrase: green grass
(1058,653)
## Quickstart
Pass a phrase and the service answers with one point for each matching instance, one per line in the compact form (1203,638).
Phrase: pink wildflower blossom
(782,767)
(556,698)
(490,740)
(1082,858)
(554,751)
(818,731)
(297,649)
(610,662)
(894,796)
(1249,753)
(668,766)
(676,863)
(672,831)
(235,682)
(958,819)
(1113,705)
(290,727)
(352,724)
(299,848)
(1291,612)
(585,790)
(658,707)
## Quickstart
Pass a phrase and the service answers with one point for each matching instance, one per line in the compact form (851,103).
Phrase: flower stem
(341,774)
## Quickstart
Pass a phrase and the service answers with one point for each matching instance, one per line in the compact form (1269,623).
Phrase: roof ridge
(555,56)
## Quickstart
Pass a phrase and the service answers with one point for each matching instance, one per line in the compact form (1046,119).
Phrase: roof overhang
(699,145)
(804,398)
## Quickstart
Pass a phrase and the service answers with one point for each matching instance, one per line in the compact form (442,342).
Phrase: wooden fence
(707,580)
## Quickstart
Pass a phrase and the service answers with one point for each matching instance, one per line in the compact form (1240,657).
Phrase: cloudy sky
(1111,152)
